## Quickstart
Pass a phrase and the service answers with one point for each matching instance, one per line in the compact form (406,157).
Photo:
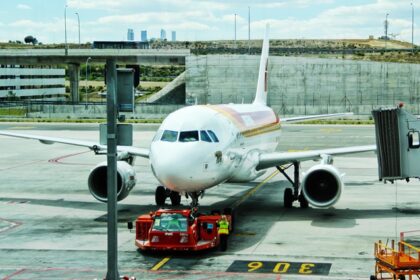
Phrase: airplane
(201,146)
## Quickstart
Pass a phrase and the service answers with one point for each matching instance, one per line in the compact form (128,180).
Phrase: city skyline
(207,20)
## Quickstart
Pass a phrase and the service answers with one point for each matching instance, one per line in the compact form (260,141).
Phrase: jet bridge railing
(398,144)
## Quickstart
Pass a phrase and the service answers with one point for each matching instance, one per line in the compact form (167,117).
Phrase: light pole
(86,82)
(78,23)
(66,51)
(386,30)
(235,31)
(412,27)
(249,30)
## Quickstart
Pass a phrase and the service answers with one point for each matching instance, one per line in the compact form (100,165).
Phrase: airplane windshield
(188,136)
(170,222)
(204,136)
(213,136)
(169,136)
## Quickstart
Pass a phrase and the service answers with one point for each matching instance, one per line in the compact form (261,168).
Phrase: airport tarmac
(52,228)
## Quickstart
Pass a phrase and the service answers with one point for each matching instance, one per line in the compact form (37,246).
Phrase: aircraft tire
(303,201)
(288,198)
(175,198)
(160,196)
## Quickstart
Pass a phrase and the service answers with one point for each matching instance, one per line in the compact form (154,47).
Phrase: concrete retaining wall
(143,111)
(299,85)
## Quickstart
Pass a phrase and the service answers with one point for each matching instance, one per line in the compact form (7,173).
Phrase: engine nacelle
(97,181)
(322,185)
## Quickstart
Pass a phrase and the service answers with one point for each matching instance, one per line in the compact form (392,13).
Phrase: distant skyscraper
(130,35)
(144,35)
(173,36)
(163,34)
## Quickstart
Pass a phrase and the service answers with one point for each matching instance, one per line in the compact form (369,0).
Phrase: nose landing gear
(194,197)
(162,193)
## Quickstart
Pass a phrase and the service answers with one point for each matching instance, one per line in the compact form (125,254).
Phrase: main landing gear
(162,193)
(291,195)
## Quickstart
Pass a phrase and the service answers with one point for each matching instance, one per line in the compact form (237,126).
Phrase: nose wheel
(194,197)
(162,193)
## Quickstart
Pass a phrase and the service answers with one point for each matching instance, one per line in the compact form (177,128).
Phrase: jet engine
(322,185)
(97,181)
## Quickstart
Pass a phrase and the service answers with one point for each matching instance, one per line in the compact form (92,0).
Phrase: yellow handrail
(410,246)
(383,246)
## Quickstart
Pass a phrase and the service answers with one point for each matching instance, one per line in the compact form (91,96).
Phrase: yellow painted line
(331,130)
(160,264)
(254,189)
(245,234)
(21,127)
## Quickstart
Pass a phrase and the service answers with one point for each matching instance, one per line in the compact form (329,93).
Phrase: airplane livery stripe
(261,130)
(250,123)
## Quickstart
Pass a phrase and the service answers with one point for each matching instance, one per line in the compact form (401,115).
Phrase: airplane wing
(278,158)
(141,152)
(315,117)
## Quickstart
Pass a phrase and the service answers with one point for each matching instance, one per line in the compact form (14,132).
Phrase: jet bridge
(398,144)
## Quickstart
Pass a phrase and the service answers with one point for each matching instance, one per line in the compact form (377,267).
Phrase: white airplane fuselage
(201,146)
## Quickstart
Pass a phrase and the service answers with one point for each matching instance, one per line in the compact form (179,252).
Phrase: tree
(31,40)
(28,39)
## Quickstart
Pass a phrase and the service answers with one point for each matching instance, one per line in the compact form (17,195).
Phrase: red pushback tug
(182,230)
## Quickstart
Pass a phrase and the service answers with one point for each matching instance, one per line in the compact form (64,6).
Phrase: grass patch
(61,120)
(58,120)
(20,112)
(351,122)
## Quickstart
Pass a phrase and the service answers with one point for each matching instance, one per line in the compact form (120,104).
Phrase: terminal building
(18,82)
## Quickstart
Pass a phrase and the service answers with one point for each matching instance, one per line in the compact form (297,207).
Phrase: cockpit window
(169,136)
(213,136)
(188,136)
(204,136)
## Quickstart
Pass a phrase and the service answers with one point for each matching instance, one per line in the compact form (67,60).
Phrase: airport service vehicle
(398,260)
(181,230)
(199,147)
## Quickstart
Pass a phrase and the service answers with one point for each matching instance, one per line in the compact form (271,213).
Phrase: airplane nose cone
(177,167)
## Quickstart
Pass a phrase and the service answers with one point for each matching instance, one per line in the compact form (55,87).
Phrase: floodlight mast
(111,78)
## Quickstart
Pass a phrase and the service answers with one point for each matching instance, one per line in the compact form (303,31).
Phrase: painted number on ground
(301,268)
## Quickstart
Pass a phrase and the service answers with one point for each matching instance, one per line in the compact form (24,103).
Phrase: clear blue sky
(206,20)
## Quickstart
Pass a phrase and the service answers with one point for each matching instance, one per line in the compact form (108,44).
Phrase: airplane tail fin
(262,85)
